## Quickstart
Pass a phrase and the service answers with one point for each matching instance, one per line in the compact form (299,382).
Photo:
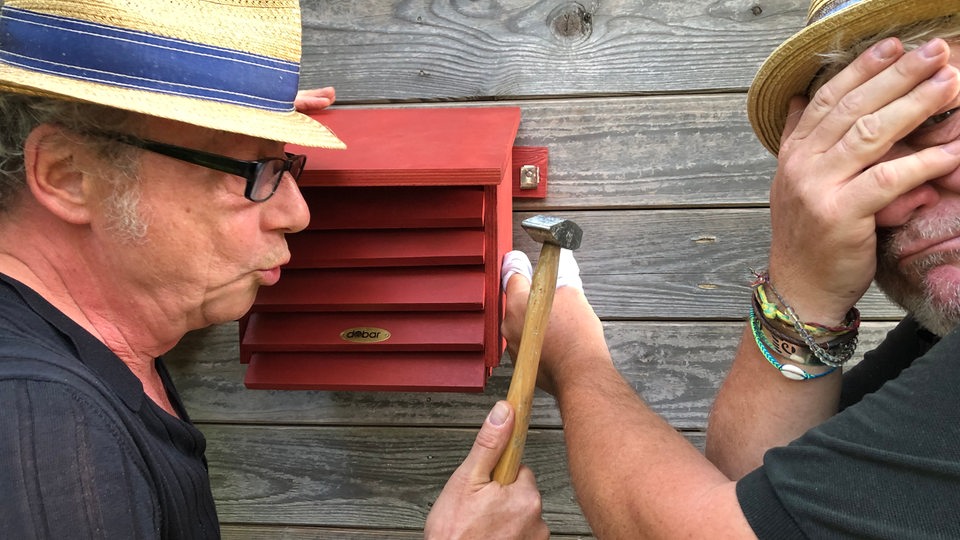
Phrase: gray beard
(910,287)
(124,216)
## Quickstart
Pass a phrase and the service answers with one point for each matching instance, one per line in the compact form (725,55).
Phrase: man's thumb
(491,441)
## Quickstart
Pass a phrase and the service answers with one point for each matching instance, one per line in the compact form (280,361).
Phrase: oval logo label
(365,335)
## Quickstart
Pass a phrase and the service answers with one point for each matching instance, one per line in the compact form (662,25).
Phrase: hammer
(554,233)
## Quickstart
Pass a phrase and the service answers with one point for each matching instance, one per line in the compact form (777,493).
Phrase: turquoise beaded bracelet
(789,371)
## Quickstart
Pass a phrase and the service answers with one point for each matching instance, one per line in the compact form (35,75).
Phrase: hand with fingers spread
(843,159)
(472,506)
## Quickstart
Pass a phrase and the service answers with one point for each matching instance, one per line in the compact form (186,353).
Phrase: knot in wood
(571,22)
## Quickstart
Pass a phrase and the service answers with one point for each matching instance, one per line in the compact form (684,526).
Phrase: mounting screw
(529,177)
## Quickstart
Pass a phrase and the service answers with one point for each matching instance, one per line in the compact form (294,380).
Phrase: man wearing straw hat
(860,108)
(144,193)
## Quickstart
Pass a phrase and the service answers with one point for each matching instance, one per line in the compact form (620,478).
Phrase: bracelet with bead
(845,348)
(787,343)
(789,371)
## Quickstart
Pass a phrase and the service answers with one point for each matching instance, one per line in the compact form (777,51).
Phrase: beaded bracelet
(789,371)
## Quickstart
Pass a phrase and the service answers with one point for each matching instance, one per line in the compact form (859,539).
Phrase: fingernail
(498,415)
(932,49)
(946,74)
(885,49)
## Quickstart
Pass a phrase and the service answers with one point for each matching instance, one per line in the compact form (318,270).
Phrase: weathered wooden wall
(641,103)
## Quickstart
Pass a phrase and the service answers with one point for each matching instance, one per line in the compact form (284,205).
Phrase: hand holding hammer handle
(524,380)
(555,234)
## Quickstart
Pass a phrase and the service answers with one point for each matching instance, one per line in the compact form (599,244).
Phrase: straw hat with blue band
(831,24)
(231,65)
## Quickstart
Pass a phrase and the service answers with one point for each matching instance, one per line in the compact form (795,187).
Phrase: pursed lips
(284,261)
(280,261)
(281,257)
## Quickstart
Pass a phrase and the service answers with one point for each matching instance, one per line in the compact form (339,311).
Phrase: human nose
(908,205)
(288,212)
(944,180)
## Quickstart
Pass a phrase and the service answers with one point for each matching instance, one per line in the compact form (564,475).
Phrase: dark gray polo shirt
(84,453)
(886,466)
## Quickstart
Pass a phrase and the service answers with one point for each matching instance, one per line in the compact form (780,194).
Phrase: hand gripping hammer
(554,233)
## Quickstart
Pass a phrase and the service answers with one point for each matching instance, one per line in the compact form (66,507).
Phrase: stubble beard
(932,300)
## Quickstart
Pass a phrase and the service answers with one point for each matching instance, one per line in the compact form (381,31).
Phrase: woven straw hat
(789,70)
(231,65)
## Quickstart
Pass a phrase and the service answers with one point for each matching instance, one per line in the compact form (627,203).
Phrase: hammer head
(553,230)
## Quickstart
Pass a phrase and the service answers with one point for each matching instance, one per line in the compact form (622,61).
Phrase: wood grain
(443,50)
(676,366)
(641,106)
(363,477)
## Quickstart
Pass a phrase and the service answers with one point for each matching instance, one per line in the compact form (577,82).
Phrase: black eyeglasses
(262,176)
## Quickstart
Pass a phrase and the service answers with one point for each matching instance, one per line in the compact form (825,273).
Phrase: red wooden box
(395,283)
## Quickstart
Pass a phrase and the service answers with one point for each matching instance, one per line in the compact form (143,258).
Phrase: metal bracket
(530,172)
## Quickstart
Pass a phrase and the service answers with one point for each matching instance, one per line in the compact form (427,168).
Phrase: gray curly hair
(21,114)
(912,36)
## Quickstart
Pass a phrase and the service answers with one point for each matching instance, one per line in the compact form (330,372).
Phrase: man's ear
(51,162)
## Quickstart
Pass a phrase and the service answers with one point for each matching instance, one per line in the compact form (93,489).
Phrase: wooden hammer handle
(524,380)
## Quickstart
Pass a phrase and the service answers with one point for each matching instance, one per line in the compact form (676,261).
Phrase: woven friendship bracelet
(771,311)
(789,371)
(845,348)
(785,341)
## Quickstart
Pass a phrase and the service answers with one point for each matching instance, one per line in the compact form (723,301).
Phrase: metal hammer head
(553,230)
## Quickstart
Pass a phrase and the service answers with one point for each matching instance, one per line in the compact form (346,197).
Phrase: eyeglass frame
(246,169)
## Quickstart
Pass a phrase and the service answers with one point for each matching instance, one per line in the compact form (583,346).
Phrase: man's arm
(834,175)
(634,475)
(757,408)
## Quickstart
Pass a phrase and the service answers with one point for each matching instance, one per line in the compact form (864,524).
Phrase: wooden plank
(676,367)
(394,247)
(437,50)
(673,264)
(394,371)
(646,152)
(394,207)
(363,477)
(292,332)
(432,288)
(649,152)
(664,242)
(230,531)
(413,147)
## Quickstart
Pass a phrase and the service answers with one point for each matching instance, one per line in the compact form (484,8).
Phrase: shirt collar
(89,350)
